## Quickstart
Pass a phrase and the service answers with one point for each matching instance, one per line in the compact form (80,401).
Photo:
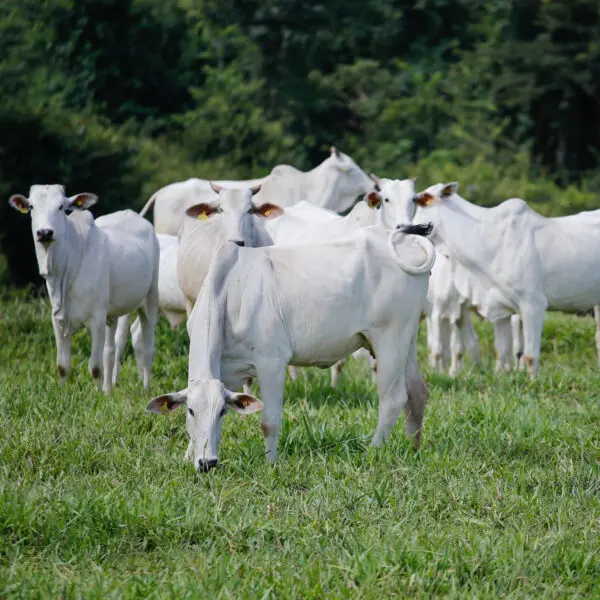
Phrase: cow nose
(204,466)
(241,243)
(45,235)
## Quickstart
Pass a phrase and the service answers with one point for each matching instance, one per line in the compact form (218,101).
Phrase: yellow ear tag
(267,212)
(164,407)
(22,209)
(202,216)
(245,402)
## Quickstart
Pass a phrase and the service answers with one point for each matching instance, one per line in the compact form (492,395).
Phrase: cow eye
(60,207)
(386,200)
(222,413)
(191,412)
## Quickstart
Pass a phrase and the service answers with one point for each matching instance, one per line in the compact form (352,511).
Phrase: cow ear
(268,210)
(334,152)
(20,203)
(256,189)
(376,181)
(201,211)
(245,404)
(414,180)
(449,189)
(81,201)
(167,402)
(424,199)
(215,188)
(373,200)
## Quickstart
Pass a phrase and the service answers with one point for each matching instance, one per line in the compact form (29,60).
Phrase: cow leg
(597,319)
(336,371)
(96,362)
(109,354)
(393,350)
(63,352)
(247,386)
(189,306)
(143,344)
(271,380)
(469,336)
(293,374)
(502,344)
(120,344)
(417,396)
(533,325)
(456,349)
(436,350)
(517,341)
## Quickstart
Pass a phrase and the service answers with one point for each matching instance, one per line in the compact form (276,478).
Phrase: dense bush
(121,97)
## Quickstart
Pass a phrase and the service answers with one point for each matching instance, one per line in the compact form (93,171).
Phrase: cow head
(237,213)
(48,205)
(352,181)
(395,200)
(427,203)
(207,401)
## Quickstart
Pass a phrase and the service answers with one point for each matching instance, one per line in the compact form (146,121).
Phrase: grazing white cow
(310,305)
(334,184)
(523,262)
(231,216)
(95,271)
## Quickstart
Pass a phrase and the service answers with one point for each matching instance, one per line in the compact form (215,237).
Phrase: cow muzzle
(204,466)
(45,236)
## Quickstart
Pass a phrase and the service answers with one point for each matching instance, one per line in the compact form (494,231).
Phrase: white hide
(307,305)
(95,271)
(334,184)
(523,262)
(170,297)
(231,216)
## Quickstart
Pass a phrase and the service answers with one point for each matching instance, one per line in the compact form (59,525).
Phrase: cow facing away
(231,216)
(307,305)
(334,184)
(95,271)
(523,262)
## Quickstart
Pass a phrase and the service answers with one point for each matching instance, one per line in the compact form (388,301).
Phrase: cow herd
(291,270)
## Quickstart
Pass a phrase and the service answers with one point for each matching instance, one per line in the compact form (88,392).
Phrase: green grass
(503,500)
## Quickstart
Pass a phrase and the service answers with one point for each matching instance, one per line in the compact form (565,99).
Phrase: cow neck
(473,210)
(323,184)
(206,330)
(459,229)
(59,266)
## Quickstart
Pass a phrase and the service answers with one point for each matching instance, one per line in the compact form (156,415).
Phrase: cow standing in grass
(95,272)
(261,309)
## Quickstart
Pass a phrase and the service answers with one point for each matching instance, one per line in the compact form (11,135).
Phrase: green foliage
(502,500)
(122,97)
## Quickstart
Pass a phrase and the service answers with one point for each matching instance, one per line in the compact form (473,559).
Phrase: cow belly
(324,352)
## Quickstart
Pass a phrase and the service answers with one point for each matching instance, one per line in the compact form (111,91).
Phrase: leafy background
(120,97)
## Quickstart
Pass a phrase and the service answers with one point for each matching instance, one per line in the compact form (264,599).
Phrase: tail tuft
(422,229)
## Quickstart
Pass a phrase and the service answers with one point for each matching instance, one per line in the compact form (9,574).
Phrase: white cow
(523,262)
(334,184)
(95,271)
(308,305)
(231,216)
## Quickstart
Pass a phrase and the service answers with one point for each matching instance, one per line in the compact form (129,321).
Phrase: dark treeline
(120,97)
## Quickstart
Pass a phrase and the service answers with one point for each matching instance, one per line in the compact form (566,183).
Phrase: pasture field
(502,500)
